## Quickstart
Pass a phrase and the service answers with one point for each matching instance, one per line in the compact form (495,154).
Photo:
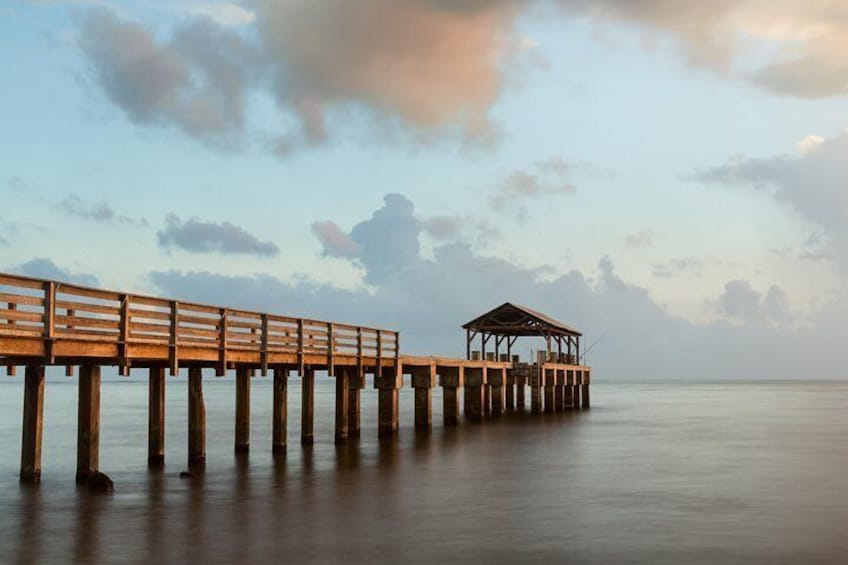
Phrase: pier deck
(49,323)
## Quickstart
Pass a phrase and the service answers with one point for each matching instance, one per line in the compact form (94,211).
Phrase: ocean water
(653,473)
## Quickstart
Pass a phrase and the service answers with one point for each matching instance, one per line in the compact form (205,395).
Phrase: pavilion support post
(475,381)
(497,384)
(423,381)
(451,379)
(388,384)
(356,384)
(307,407)
(88,423)
(242,430)
(559,390)
(536,379)
(487,398)
(549,382)
(196,420)
(33,419)
(520,389)
(342,404)
(280,410)
(510,391)
(156,417)
(585,390)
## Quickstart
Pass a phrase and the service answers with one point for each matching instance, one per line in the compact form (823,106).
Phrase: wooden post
(487,398)
(307,406)
(510,391)
(196,420)
(576,393)
(536,391)
(242,432)
(280,417)
(549,382)
(559,390)
(475,380)
(496,383)
(520,386)
(357,381)
(88,422)
(387,401)
(585,389)
(156,417)
(568,401)
(423,381)
(342,406)
(451,379)
(33,418)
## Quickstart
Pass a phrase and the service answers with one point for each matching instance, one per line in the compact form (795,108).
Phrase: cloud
(542,178)
(19,185)
(809,143)
(644,238)
(73,205)
(42,268)
(427,300)
(444,228)
(222,13)
(809,39)
(196,80)
(814,185)
(335,242)
(740,301)
(686,266)
(199,236)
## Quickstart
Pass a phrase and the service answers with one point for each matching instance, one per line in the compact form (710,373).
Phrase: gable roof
(516,320)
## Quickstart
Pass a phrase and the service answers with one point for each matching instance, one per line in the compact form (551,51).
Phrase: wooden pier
(48,323)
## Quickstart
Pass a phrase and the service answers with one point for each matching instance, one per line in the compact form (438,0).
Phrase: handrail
(56,311)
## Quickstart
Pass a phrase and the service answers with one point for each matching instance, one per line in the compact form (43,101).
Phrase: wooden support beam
(549,385)
(475,380)
(575,391)
(196,420)
(388,385)
(357,382)
(559,390)
(520,389)
(568,399)
(242,431)
(487,399)
(497,384)
(33,419)
(156,417)
(536,391)
(423,381)
(342,404)
(307,406)
(451,379)
(88,422)
(510,391)
(585,390)
(280,410)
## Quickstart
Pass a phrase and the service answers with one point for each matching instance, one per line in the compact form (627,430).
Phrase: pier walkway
(49,323)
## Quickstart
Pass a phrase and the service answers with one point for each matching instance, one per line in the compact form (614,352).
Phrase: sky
(669,177)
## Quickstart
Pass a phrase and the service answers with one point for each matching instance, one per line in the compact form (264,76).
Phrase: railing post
(173,352)
(124,326)
(11,368)
(49,320)
(331,349)
(264,353)
(221,369)
(379,361)
(300,363)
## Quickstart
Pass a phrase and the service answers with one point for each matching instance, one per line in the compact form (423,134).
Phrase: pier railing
(55,311)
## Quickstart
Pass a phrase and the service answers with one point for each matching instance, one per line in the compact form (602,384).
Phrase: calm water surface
(675,473)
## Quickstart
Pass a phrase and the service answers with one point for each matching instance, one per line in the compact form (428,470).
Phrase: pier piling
(451,379)
(475,381)
(342,405)
(387,386)
(356,384)
(33,419)
(280,410)
(559,390)
(156,417)
(88,422)
(196,420)
(307,407)
(423,381)
(242,424)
